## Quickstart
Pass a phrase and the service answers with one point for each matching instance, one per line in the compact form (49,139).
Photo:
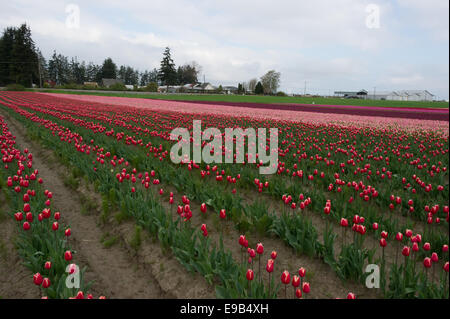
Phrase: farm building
(361,94)
(204,87)
(400,95)
(230,89)
(169,89)
(411,95)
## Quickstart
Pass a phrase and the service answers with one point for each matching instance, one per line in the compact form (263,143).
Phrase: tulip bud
(37,278)
(250,275)
(26,226)
(68,255)
(434,257)
(427,262)
(302,272)
(285,277)
(295,281)
(259,248)
(273,255)
(46,283)
(406,251)
(269,266)
(306,287)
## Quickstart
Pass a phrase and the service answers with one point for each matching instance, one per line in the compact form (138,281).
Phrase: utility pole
(374,90)
(304,92)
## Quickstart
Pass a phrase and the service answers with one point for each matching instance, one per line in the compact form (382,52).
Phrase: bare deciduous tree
(271,81)
(252,84)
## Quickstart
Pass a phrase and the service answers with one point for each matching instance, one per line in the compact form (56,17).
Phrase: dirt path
(112,271)
(16,280)
(117,270)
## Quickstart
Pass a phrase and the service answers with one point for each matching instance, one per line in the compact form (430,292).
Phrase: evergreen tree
(240,88)
(167,73)
(6,45)
(259,89)
(18,56)
(109,69)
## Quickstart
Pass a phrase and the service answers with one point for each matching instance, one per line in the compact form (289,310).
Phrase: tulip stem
(259,262)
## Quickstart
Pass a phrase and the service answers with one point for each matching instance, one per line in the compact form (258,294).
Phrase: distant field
(260,99)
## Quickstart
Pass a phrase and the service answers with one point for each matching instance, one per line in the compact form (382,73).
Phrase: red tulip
(46,283)
(250,275)
(285,277)
(259,248)
(383,242)
(306,287)
(302,272)
(273,255)
(223,214)
(295,281)
(446,267)
(344,222)
(427,262)
(241,240)
(80,295)
(269,266)
(67,232)
(37,278)
(426,246)
(406,251)
(55,226)
(203,208)
(48,265)
(434,257)
(26,226)
(351,295)
(298,293)
(18,216)
(68,255)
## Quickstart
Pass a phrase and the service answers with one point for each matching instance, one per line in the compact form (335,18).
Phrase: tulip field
(357,208)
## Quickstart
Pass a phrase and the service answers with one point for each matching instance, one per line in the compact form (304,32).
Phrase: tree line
(21,62)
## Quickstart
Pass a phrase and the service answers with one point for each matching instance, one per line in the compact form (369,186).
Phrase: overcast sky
(330,44)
